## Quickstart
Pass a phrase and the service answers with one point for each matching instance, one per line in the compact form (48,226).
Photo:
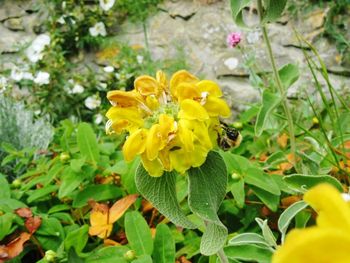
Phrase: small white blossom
(102,85)
(77,89)
(231,63)
(16,74)
(139,59)
(98,118)
(42,78)
(117,75)
(108,69)
(98,29)
(35,51)
(92,102)
(106,4)
(28,75)
(3,84)
(253,37)
(61,20)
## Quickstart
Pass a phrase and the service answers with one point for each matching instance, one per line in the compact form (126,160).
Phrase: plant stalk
(280,87)
(222,256)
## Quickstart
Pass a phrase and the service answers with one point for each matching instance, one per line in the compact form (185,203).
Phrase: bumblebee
(229,137)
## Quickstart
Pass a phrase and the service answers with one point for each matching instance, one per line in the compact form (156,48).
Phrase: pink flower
(233,39)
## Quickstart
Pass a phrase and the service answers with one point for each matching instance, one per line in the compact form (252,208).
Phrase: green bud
(130,255)
(235,176)
(50,255)
(64,157)
(17,183)
(238,125)
(315,120)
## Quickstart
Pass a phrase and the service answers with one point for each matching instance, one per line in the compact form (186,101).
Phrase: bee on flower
(172,124)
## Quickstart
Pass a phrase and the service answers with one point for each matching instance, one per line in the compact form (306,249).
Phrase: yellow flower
(329,240)
(172,126)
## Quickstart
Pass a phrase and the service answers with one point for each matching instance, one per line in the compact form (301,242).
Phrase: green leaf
(301,182)
(247,239)
(288,75)
(237,9)
(164,245)
(128,176)
(273,10)
(58,208)
(267,233)
(287,216)
(42,192)
(258,178)
(138,233)
(69,182)
(249,253)
(143,259)
(5,224)
(5,188)
(87,143)
(50,226)
(207,189)
(269,103)
(77,239)
(270,200)
(237,190)
(160,191)
(76,164)
(111,254)
(8,204)
(302,218)
(98,192)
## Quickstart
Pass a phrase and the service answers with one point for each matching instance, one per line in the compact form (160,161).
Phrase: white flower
(98,118)
(106,4)
(231,63)
(102,85)
(108,69)
(35,51)
(253,37)
(61,19)
(16,74)
(77,89)
(92,102)
(3,84)
(98,29)
(42,78)
(28,75)
(139,59)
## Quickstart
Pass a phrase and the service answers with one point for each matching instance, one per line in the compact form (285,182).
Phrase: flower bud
(130,255)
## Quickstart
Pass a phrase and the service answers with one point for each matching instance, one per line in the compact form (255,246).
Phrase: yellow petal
(217,107)
(332,209)
(124,118)
(314,244)
(186,137)
(200,155)
(154,168)
(120,207)
(102,231)
(154,142)
(146,86)
(209,86)
(165,159)
(180,77)
(187,91)
(124,98)
(167,125)
(135,144)
(200,132)
(152,102)
(180,160)
(162,80)
(192,110)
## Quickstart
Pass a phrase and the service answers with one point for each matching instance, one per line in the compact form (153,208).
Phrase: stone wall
(200,30)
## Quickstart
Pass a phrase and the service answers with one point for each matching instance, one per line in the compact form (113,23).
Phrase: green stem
(146,36)
(222,256)
(280,87)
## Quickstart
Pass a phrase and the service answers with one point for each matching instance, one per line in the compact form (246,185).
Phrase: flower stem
(280,87)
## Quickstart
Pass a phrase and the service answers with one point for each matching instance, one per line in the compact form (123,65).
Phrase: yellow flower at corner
(171,125)
(329,240)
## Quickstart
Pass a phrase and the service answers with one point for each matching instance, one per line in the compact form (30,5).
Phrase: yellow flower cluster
(329,240)
(172,125)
